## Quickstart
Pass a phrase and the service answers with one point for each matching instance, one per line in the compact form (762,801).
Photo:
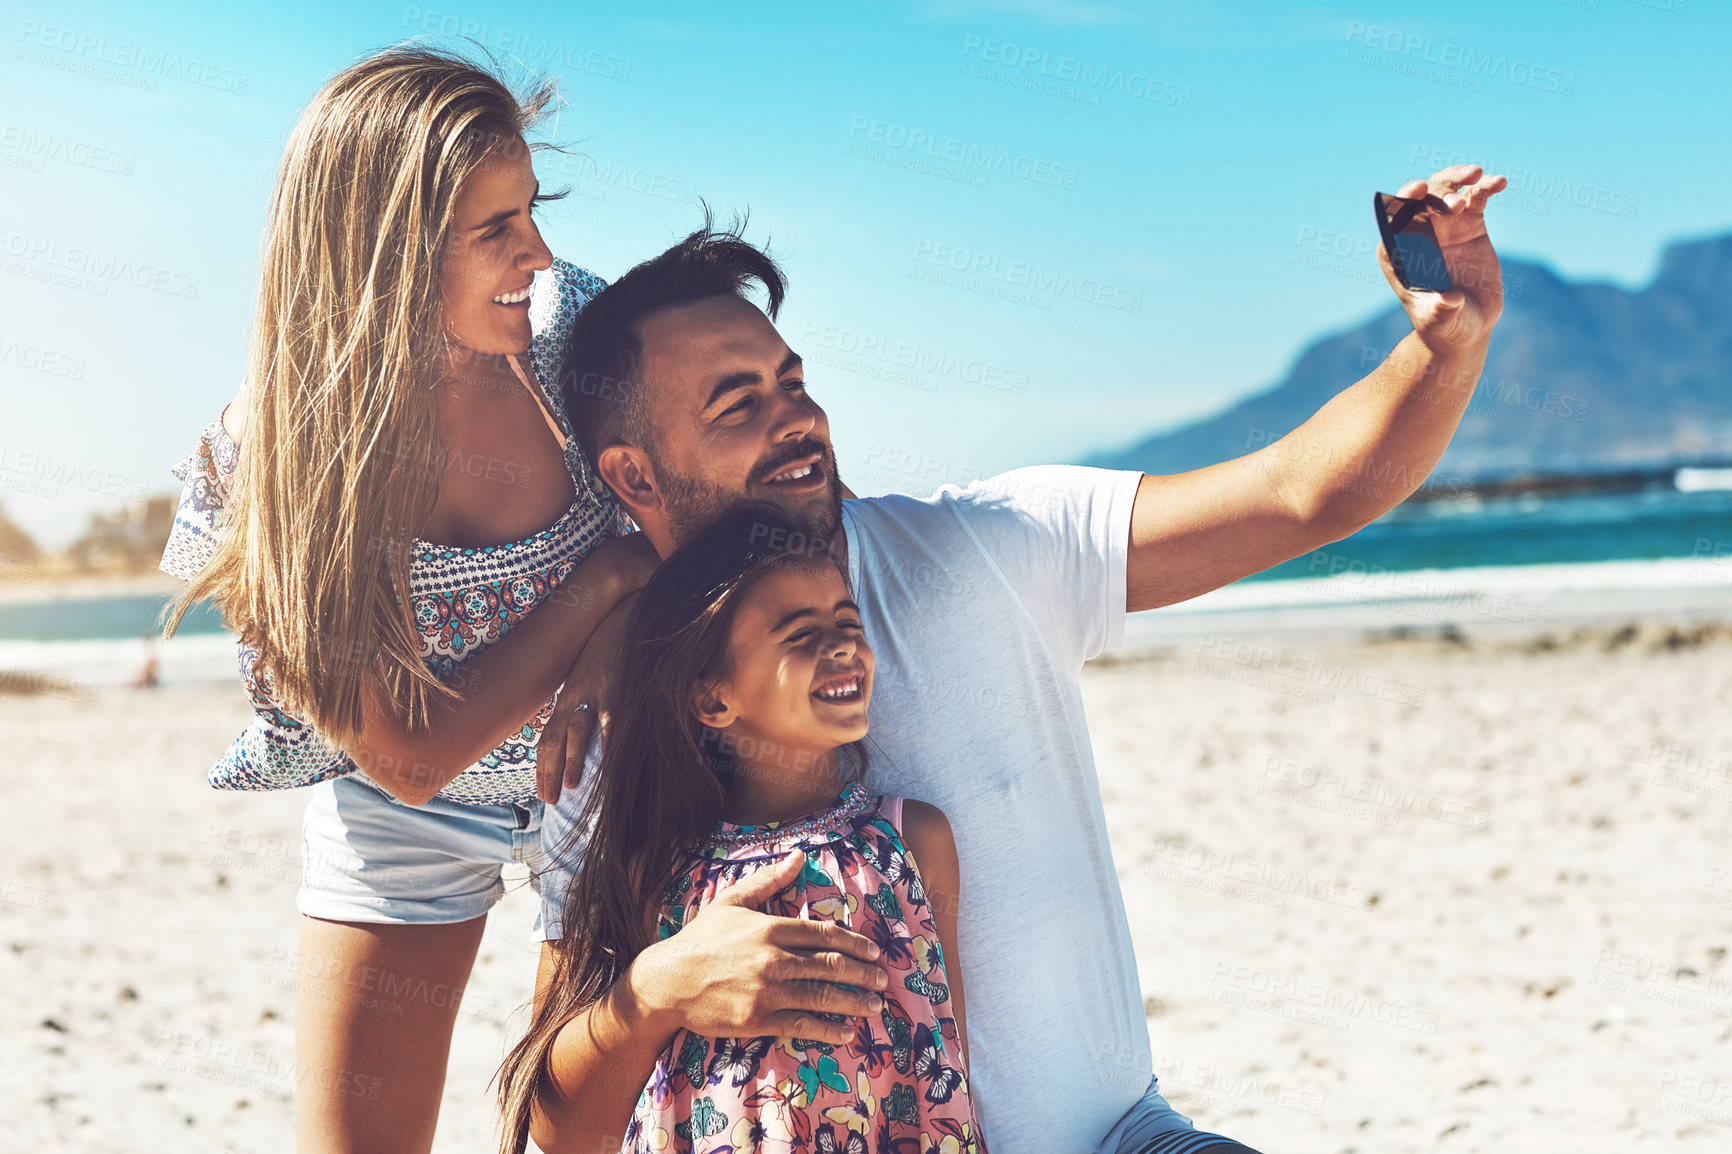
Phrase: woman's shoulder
(558,298)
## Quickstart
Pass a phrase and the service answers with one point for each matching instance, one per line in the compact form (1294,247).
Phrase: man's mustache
(803,448)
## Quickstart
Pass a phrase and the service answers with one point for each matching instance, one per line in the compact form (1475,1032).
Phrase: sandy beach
(1398,896)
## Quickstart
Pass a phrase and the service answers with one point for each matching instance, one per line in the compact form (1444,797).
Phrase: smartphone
(1411,242)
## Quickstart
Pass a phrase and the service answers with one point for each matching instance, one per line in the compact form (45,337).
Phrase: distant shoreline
(84,587)
(1558,484)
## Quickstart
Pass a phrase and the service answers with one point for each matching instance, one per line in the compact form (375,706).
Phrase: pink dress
(900,1087)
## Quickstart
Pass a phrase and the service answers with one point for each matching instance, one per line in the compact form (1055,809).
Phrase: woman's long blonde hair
(339,467)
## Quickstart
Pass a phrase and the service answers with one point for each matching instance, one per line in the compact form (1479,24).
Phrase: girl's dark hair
(662,782)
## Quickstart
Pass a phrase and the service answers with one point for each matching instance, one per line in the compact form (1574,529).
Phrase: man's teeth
(513,298)
(802,471)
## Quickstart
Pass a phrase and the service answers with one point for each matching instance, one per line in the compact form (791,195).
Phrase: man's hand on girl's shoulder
(733,972)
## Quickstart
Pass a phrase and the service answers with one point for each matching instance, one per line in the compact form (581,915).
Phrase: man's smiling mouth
(797,470)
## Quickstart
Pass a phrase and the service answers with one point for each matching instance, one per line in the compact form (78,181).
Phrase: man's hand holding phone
(1459,318)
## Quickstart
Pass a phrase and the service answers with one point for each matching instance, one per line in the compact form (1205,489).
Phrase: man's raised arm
(1359,456)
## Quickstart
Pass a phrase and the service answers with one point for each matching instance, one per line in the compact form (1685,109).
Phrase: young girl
(409,492)
(736,743)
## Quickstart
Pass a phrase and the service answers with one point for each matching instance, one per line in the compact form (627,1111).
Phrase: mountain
(1581,378)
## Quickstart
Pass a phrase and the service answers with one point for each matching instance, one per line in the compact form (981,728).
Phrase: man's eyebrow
(799,613)
(504,215)
(749,378)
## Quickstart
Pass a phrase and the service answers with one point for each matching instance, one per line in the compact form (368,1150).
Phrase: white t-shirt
(981,605)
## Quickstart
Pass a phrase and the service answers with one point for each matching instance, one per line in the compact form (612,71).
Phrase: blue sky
(1016,230)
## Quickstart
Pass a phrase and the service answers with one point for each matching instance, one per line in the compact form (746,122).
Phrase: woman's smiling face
(800,670)
(492,254)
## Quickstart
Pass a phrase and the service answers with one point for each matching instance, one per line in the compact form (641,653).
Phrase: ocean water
(1530,530)
(1509,563)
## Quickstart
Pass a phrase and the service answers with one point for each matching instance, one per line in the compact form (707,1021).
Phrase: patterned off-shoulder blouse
(463,599)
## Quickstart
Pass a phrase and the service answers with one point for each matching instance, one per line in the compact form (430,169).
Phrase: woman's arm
(502,685)
(926,831)
(498,688)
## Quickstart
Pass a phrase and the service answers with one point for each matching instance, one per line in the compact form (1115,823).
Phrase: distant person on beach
(410,492)
(982,605)
(149,674)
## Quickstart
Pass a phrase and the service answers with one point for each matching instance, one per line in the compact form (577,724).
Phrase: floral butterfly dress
(900,1087)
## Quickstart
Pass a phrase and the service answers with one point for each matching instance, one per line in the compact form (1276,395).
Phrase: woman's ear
(709,708)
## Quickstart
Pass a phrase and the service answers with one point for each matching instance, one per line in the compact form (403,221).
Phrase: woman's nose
(537,256)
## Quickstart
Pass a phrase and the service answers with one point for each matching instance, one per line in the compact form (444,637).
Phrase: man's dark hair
(602,377)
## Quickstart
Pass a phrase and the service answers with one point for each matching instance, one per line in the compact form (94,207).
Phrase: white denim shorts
(367,857)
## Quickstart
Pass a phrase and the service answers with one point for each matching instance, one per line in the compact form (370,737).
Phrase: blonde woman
(410,489)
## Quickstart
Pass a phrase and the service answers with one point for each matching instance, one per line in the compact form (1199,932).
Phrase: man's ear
(710,709)
(626,469)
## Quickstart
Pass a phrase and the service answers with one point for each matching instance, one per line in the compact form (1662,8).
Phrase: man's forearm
(1374,443)
(596,1071)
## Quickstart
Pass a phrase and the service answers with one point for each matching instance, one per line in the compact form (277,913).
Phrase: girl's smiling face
(492,254)
(800,671)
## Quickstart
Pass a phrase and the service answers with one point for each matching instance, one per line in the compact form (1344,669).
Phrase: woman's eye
(799,636)
(794,385)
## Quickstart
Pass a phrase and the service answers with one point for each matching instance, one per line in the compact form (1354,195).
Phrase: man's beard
(692,503)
